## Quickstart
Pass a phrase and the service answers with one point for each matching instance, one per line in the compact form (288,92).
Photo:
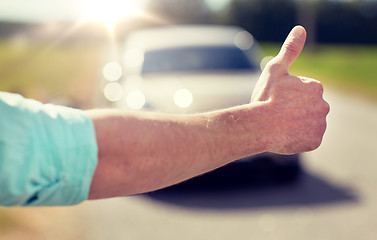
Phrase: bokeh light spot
(244,40)
(136,100)
(113,91)
(112,71)
(183,98)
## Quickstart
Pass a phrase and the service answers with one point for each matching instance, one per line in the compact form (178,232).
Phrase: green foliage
(71,71)
(344,66)
(40,71)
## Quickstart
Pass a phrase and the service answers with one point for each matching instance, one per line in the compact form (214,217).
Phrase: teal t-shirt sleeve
(48,153)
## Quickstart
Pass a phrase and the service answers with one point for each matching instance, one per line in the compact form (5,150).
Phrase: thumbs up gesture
(297,119)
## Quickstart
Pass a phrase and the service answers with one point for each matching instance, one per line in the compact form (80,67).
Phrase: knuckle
(315,85)
(322,128)
(316,140)
(319,87)
(273,66)
(315,144)
(326,107)
(323,108)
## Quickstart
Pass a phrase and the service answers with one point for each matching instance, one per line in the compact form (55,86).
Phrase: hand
(297,116)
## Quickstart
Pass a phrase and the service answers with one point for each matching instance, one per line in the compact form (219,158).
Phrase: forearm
(146,151)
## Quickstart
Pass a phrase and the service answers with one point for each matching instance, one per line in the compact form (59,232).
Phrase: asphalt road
(336,197)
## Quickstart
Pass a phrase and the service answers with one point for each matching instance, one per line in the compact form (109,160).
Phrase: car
(197,68)
(188,69)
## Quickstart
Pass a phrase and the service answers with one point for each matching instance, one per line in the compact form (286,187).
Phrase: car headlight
(112,71)
(183,98)
(135,100)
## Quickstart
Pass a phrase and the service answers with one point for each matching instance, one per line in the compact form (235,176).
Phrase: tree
(180,11)
(307,12)
(267,20)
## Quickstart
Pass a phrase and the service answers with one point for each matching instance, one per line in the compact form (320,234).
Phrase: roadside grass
(7,221)
(70,71)
(45,73)
(352,68)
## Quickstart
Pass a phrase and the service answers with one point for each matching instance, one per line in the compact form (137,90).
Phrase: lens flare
(110,11)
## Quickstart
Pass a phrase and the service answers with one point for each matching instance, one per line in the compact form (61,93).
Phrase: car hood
(209,91)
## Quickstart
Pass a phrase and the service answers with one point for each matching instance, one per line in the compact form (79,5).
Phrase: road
(336,197)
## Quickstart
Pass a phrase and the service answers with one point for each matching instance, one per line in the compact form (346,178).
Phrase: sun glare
(110,11)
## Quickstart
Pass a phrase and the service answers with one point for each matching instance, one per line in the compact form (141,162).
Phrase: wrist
(241,131)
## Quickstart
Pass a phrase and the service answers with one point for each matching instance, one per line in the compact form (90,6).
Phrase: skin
(144,151)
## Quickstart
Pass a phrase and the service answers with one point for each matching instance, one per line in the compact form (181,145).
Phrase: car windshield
(194,59)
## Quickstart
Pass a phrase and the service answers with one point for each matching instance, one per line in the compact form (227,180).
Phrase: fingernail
(298,32)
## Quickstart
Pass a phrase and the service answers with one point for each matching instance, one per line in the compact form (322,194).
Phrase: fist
(297,110)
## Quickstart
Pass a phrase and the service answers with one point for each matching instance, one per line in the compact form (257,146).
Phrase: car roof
(183,35)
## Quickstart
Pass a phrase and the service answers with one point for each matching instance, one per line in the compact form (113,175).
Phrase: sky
(39,10)
(57,10)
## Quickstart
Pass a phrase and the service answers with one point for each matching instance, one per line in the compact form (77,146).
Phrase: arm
(144,152)
(140,152)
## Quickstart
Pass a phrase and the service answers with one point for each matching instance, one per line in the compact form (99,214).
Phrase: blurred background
(55,51)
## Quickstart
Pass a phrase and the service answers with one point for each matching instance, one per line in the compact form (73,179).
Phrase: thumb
(291,48)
